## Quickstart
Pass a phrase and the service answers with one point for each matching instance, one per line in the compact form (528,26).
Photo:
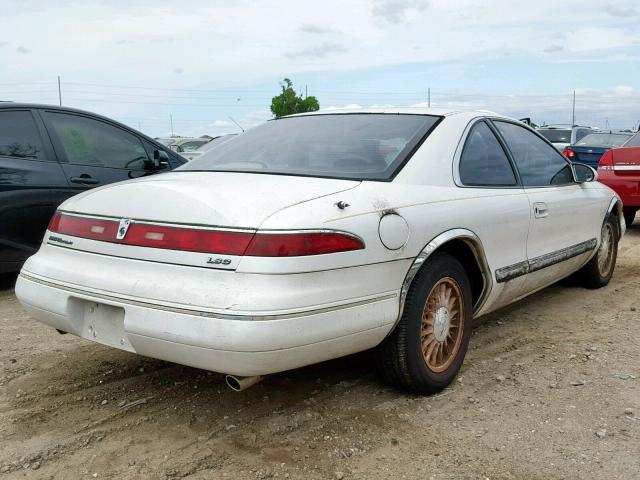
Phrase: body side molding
(519,269)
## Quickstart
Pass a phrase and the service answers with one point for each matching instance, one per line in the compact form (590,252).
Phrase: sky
(201,65)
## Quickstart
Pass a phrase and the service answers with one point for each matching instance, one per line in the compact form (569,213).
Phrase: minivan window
(362,146)
(19,135)
(556,135)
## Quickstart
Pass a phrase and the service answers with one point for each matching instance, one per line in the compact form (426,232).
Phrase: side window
(19,136)
(87,141)
(539,164)
(483,161)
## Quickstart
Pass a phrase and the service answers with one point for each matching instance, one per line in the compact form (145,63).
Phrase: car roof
(564,126)
(47,107)
(441,112)
(44,106)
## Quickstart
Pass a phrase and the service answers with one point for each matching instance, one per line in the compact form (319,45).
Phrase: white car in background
(211,144)
(186,144)
(320,235)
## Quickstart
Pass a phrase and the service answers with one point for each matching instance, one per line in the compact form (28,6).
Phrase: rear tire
(599,270)
(629,216)
(426,350)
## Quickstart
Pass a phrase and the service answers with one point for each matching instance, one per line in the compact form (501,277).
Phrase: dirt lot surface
(550,389)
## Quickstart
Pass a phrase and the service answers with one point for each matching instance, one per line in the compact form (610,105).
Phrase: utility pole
(59,91)
(171,120)
(573,110)
(305,91)
(429,97)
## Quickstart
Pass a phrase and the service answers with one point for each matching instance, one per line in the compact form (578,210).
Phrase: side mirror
(160,160)
(584,173)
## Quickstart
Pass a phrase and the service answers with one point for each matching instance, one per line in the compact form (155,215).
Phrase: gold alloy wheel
(442,324)
(605,252)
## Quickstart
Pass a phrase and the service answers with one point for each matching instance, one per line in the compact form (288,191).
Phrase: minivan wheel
(629,216)
(426,350)
(599,270)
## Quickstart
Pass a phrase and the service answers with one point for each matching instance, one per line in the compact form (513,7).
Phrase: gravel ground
(550,389)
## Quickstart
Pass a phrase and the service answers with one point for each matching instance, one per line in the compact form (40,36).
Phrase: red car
(619,168)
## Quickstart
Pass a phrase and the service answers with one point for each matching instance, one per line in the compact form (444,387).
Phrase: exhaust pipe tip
(238,384)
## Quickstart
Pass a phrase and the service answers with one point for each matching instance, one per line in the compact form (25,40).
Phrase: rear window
(606,140)
(633,141)
(349,146)
(556,135)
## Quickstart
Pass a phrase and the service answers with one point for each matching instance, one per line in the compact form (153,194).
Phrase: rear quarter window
(19,136)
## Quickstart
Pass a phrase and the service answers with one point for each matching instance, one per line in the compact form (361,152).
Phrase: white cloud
(586,39)
(397,11)
(349,106)
(223,41)
(317,52)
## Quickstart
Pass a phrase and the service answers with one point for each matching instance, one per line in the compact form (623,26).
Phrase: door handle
(540,210)
(84,179)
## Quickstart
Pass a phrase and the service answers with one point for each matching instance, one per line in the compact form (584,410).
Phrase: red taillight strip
(153,235)
(84,227)
(219,241)
(302,243)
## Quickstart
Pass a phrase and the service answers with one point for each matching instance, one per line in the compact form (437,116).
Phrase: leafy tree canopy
(288,102)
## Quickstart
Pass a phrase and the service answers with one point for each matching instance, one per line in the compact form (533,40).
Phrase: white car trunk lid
(227,208)
(204,198)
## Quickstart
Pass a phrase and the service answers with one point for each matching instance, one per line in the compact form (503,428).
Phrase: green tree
(288,102)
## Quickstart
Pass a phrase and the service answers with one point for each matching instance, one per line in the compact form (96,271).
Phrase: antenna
(573,111)
(59,92)
(171,120)
(429,97)
(239,126)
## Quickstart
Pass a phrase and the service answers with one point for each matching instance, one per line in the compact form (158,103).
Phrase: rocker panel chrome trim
(510,272)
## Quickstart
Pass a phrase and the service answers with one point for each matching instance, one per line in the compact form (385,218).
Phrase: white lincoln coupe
(315,236)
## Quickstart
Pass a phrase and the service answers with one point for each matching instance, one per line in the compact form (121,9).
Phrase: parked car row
(614,153)
(561,136)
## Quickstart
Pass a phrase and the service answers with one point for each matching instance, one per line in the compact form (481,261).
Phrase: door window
(19,135)
(483,161)
(539,164)
(87,141)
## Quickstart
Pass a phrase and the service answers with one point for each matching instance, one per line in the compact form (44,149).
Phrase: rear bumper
(239,343)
